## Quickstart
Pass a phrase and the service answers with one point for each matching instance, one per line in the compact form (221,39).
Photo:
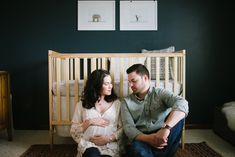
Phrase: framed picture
(138,15)
(96,15)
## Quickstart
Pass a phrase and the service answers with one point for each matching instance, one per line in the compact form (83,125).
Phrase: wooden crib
(69,71)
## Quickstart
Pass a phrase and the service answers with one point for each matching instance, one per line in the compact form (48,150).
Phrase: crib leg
(183,136)
(51,137)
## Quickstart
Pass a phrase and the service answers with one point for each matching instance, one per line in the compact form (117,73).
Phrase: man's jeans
(142,149)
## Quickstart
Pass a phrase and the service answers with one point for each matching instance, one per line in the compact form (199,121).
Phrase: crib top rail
(55,54)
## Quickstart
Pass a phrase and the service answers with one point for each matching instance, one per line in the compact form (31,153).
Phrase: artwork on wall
(96,15)
(138,15)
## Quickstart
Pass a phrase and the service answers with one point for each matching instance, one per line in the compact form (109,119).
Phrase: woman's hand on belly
(99,140)
(100,122)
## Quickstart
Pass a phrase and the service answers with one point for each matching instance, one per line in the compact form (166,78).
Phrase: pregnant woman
(96,124)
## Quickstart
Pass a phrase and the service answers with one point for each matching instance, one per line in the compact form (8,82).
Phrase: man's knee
(139,149)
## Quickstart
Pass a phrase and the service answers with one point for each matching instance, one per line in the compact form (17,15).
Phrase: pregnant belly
(96,130)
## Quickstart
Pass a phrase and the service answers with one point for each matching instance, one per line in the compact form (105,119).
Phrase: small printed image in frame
(138,15)
(96,15)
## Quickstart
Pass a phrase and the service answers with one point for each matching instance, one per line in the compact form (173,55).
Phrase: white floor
(22,139)
(214,141)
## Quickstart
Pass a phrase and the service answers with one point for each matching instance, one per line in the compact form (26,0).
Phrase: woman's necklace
(102,106)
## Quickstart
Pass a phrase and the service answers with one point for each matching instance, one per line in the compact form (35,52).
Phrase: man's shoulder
(158,90)
(128,97)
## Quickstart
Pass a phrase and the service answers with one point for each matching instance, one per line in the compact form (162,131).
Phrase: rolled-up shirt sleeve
(177,103)
(181,105)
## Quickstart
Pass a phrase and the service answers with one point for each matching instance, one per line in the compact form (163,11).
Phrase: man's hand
(159,139)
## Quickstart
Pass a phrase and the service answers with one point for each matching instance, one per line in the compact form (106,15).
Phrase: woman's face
(107,86)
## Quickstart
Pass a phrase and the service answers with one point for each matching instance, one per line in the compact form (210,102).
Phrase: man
(153,118)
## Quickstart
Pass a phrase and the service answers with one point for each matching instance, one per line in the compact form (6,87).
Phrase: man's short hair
(139,69)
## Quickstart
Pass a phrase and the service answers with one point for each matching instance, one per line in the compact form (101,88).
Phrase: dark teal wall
(30,28)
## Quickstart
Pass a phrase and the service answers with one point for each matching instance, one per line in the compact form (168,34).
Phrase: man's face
(136,82)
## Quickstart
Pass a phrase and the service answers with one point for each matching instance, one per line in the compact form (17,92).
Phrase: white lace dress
(82,138)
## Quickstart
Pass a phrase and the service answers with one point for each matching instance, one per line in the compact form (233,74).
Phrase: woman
(96,124)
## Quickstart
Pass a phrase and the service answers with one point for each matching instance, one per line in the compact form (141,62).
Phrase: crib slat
(113,61)
(179,69)
(54,69)
(157,72)
(148,60)
(104,63)
(71,68)
(50,75)
(93,64)
(58,82)
(67,67)
(175,72)
(77,78)
(121,77)
(166,72)
(85,70)
(184,73)
(129,64)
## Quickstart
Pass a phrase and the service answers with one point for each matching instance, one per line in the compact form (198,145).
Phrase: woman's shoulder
(80,107)
(117,103)
(79,104)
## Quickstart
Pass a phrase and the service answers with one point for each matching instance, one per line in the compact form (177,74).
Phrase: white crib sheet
(170,87)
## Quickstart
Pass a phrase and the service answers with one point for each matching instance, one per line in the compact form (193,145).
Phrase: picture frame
(96,15)
(138,15)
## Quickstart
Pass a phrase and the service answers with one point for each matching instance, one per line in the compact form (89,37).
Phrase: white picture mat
(138,15)
(104,11)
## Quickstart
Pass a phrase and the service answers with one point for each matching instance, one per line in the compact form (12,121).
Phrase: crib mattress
(71,83)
